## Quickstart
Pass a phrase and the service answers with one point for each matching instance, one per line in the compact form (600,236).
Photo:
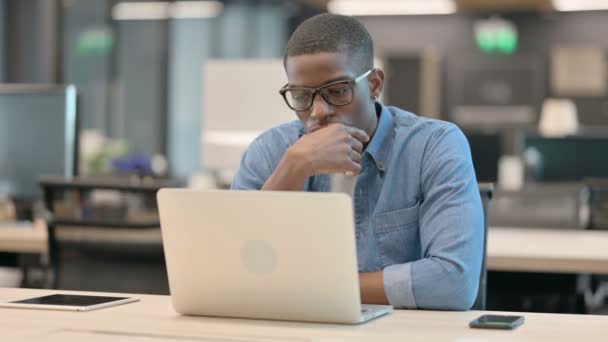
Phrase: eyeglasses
(339,93)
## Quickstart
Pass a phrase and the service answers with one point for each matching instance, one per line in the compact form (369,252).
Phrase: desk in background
(546,270)
(547,250)
(77,262)
(24,239)
(153,319)
(509,249)
(29,243)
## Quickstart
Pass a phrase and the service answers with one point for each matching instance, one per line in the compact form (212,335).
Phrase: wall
(140,113)
(452,37)
(243,31)
(2,40)
(32,41)
(191,45)
(87,51)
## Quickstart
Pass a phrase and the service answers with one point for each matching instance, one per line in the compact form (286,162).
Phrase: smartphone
(497,322)
(69,302)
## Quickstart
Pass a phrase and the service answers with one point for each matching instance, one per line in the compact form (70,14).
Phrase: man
(419,220)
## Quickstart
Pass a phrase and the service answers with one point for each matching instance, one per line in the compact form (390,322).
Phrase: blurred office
(102,102)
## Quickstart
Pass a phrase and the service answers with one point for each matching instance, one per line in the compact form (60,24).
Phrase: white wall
(241,102)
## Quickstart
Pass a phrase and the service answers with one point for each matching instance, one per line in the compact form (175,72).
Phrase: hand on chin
(317,126)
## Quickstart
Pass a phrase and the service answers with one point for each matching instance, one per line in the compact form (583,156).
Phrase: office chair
(486,191)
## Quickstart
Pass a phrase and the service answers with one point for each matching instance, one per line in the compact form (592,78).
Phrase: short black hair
(332,33)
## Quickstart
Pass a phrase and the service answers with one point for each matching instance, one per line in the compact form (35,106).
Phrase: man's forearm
(290,175)
(372,288)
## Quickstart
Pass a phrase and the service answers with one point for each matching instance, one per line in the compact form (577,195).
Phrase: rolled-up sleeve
(451,231)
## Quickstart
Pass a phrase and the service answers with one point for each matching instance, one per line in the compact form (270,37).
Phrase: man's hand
(331,149)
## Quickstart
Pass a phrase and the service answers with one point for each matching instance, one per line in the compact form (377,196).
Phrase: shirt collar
(379,147)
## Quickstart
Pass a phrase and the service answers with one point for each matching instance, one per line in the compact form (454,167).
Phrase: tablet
(68,302)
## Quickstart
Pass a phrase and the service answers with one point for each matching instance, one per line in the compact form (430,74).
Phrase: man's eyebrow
(335,79)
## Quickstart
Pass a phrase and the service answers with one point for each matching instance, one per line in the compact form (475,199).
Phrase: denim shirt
(417,206)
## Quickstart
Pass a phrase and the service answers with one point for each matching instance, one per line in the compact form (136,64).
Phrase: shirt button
(381,165)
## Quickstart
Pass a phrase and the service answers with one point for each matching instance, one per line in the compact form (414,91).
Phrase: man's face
(316,70)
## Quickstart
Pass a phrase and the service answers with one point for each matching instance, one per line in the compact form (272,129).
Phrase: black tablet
(69,302)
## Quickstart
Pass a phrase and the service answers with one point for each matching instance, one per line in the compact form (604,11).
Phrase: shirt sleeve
(451,231)
(254,169)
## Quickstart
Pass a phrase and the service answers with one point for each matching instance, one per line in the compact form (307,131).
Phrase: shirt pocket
(398,235)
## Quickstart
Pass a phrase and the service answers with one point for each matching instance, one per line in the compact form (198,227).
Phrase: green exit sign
(496,36)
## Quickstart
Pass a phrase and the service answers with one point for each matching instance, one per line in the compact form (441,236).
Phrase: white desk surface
(547,250)
(153,319)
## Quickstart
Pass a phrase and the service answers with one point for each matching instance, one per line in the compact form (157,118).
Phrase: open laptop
(263,255)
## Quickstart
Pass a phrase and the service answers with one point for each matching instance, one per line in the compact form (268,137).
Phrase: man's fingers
(357,133)
(356,145)
(352,165)
(355,156)
(353,168)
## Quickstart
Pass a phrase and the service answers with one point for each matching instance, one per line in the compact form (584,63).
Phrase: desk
(509,249)
(53,185)
(23,239)
(153,319)
(547,250)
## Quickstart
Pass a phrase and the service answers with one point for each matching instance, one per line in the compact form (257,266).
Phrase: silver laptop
(263,255)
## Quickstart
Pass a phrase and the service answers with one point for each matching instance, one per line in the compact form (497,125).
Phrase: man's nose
(320,108)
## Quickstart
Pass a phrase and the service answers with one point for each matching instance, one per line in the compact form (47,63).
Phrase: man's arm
(256,165)
(331,149)
(451,232)
(372,288)
(291,173)
(334,148)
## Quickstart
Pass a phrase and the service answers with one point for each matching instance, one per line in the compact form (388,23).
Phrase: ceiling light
(391,7)
(580,5)
(140,11)
(196,9)
(164,10)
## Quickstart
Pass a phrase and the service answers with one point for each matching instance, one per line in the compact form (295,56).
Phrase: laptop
(263,255)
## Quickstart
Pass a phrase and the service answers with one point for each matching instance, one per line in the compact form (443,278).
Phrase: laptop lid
(259,254)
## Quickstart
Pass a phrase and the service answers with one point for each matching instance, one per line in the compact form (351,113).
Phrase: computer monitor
(486,149)
(495,91)
(37,137)
(572,158)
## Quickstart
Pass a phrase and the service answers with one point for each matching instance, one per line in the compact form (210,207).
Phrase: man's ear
(376,82)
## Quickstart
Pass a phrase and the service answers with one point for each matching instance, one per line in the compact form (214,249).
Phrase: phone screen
(69,300)
(497,322)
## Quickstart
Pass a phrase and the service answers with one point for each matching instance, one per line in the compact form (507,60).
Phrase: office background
(525,80)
